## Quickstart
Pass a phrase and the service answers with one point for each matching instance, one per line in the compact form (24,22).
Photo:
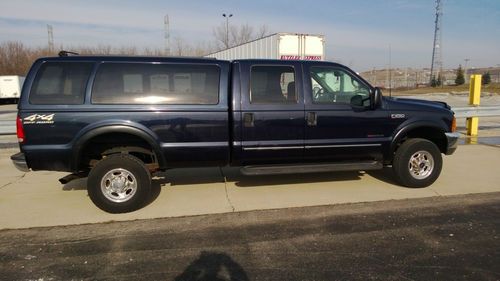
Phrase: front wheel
(119,183)
(417,163)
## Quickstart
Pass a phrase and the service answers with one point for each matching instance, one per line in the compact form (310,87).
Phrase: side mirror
(376,97)
(357,103)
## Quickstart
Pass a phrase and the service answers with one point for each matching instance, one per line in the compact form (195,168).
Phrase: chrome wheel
(421,165)
(118,185)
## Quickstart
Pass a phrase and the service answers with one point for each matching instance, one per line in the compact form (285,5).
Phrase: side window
(331,85)
(141,83)
(272,84)
(60,83)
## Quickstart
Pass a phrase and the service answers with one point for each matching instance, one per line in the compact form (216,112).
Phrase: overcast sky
(358,32)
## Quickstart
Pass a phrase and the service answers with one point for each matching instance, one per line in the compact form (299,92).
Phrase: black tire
(423,152)
(128,175)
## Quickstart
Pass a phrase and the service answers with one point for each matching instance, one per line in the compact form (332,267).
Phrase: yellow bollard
(474,99)
(472,126)
(475,89)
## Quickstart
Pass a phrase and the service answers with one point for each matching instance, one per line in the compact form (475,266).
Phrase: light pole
(227,28)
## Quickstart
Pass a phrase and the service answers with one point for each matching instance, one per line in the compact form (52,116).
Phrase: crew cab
(118,120)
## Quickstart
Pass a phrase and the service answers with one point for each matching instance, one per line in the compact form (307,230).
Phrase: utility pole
(387,76)
(50,37)
(167,35)
(406,77)
(390,71)
(498,73)
(227,28)
(465,71)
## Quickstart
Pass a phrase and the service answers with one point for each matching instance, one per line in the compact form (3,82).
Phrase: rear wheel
(417,163)
(119,183)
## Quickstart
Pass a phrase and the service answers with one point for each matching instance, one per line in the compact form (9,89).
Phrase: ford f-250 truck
(117,120)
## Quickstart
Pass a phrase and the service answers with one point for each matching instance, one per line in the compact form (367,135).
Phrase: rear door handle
(248,120)
(312,119)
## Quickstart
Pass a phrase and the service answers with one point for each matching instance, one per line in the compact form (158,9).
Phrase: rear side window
(272,85)
(136,83)
(60,83)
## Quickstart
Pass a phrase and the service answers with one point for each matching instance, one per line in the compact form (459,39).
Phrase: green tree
(434,82)
(486,79)
(460,80)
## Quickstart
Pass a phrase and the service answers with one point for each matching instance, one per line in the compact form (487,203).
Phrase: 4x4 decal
(39,119)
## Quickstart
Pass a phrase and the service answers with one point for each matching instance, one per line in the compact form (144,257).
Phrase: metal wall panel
(275,45)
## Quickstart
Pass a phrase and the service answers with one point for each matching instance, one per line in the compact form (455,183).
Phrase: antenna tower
(437,54)
(167,36)
(50,37)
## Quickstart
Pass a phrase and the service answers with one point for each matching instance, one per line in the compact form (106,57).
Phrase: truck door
(339,122)
(272,112)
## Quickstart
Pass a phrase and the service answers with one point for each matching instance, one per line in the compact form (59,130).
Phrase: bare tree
(241,35)
(181,48)
(263,31)
(16,59)
(237,35)
(219,33)
(153,52)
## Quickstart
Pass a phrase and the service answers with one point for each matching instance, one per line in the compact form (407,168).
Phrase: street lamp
(227,28)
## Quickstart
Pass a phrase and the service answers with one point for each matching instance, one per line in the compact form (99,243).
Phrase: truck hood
(404,103)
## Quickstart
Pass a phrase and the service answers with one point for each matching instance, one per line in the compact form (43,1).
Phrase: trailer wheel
(119,183)
(417,163)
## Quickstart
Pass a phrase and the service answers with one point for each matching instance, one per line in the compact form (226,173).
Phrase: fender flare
(82,140)
(403,131)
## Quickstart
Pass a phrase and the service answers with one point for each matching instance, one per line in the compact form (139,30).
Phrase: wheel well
(112,143)
(432,134)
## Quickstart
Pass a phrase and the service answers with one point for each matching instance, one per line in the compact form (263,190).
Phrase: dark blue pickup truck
(117,120)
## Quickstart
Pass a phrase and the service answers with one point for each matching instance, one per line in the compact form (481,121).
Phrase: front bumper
(19,162)
(452,141)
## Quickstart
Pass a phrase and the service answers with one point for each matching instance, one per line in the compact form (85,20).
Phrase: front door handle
(248,120)
(312,119)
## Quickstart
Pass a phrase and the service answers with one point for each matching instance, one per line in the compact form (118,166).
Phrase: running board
(72,177)
(311,168)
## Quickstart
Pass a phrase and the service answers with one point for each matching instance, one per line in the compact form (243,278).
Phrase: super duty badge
(398,116)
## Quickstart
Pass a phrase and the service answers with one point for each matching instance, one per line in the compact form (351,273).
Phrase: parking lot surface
(440,238)
(37,199)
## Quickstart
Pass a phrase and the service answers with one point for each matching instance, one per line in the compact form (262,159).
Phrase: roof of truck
(127,58)
(175,59)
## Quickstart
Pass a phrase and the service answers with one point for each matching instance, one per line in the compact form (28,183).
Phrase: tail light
(19,129)
(454,124)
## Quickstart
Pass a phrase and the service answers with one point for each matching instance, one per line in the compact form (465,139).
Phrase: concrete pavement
(37,199)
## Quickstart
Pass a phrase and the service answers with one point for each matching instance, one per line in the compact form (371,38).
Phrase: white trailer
(284,46)
(10,88)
